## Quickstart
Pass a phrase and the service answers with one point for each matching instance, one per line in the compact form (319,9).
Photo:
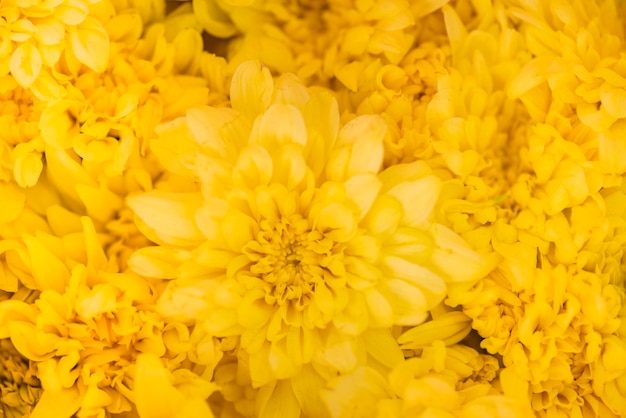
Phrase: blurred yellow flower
(320,40)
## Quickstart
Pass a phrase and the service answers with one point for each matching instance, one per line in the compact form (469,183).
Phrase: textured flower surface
(86,331)
(302,246)
(313,208)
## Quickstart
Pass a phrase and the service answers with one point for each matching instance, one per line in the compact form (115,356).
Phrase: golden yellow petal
(90,43)
(61,404)
(25,64)
(169,215)
(251,89)
(13,201)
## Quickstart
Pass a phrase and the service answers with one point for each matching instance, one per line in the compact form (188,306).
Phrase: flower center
(291,259)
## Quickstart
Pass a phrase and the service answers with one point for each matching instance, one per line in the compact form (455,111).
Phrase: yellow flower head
(87,328)
(295,240)
(443,382)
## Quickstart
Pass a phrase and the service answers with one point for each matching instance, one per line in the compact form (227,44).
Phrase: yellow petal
(365,134)
(25,64)
(253,168)
(12,198)
(382,346)
(12,311)
(58,124)
(155,396)
(306,387)
(450,327)
(32,342)
(337,221)
(379,307)
(61,404)
(614,101)
(101,204)
(613,148)
(418,198)
(363,189)
(457,259)
(280,124)
(213,19)
(27,168)
(206,123)
(95,399)
(422,8)
(48,271)
(281,403)
(157,262)
(90,44)
(411,272)
(175,147)
(321,115)
(251,89)
(169,215)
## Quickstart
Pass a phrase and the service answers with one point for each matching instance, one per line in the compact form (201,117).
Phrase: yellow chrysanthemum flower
(553,309)
(443,382)
(295,241)
(88,327)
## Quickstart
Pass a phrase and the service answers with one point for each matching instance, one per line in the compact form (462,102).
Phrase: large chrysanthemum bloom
(444,382)
(294,240)
(89,327)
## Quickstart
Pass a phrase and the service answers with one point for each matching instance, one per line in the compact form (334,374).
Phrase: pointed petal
(61,404)
(418,198)
(12,198)
(251,89)
(281,403)
(48,271)
(169,215)
(281,124)
(25,64)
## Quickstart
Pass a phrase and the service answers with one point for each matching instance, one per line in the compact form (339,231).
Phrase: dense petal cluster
(315,208)
(87,327)
(301,247)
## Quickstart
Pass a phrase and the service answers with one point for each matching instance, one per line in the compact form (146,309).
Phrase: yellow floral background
(312,208)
